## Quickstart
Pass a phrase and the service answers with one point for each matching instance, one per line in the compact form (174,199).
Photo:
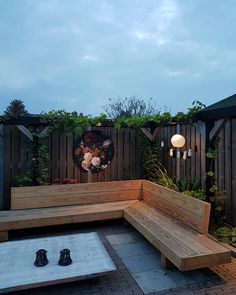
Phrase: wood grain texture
(18,219)
(63,195)
(192,212)
(183,246)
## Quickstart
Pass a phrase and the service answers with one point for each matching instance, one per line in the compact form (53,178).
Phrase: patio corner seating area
(177,225)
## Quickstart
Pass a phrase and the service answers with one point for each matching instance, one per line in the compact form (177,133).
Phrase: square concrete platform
(18,272)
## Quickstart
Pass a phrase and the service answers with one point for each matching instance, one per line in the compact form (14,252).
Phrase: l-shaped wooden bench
(177,225)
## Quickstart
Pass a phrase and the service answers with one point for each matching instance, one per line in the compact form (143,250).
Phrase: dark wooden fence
(15,156)
(126,163)
(192,168)
(226,167)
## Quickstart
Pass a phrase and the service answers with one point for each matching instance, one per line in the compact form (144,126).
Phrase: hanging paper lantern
(177,140)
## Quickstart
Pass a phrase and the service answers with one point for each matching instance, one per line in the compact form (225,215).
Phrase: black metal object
(65,258)
(41,258)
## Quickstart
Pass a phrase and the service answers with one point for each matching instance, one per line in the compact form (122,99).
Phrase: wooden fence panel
(192,168)
(18,154)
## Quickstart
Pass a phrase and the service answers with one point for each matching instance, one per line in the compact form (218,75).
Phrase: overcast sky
(76,54)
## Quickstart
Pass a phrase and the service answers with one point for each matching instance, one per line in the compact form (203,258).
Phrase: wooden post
(1,165)
(177,158)
(166,263)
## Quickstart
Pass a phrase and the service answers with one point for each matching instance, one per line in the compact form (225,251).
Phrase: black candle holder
(41,258)
(65,258)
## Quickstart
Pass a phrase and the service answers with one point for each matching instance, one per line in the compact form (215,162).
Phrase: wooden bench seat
(183,246)
(177,225)
(17,219)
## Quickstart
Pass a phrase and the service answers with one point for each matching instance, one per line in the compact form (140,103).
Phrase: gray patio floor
(138,265)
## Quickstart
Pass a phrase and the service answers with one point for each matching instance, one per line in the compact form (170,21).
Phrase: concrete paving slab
(141,263)
(138,248)
(154,281)
(125,238)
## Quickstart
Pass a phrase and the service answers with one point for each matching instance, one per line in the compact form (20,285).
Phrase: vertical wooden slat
(221,162)
(23,159)
(120,150)
(173,131)
(197,151)
(62,155)
(1,164)
(126,159)
(114,163)
(138,156)
(15,153)
(69,157)
(7,165)
(234,171)
(188,146)
(132,152)
(193,158)
(55,156)
(107,171)
(182,161)
(228,171)
(203,156)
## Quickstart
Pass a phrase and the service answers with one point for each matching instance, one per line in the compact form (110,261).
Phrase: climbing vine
(217,197)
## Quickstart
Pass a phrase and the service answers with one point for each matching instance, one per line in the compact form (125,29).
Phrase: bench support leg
(3,235)
(125,223)
(166,263)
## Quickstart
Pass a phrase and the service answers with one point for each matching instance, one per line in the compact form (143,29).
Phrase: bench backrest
(74,194)
(190,211)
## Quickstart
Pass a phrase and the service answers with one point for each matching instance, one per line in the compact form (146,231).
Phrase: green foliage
(36,166)
(132,112)
(191,188)
(150,158)
(24,180)
(211,154)
(226,235)
(15,110)
(164,179)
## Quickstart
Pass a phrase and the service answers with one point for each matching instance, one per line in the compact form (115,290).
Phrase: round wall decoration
(93,151)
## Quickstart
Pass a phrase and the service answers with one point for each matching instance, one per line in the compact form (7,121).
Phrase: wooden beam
(217,128)
(152,137)
(166,263)
(26,131)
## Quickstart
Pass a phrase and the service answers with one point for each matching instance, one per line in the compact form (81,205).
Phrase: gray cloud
(74,55)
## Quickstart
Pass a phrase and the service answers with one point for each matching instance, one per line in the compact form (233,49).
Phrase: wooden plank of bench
(29,218)
(199,243)
(75,194)
(3,235)
(193,212)
(174,240)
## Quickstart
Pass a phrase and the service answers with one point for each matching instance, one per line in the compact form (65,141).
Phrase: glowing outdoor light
(177,140)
